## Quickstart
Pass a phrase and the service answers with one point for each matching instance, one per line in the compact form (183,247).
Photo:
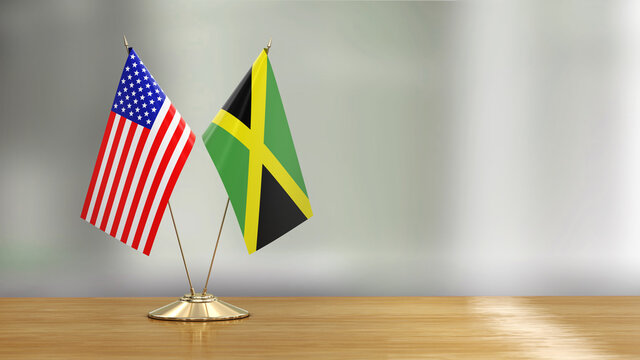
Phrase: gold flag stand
(197,306)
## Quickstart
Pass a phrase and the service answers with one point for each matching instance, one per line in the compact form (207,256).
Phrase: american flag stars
(137,90)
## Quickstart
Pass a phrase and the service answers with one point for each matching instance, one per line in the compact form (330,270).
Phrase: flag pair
(146,144)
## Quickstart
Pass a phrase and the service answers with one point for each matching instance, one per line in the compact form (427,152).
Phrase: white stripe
(125,173)
(163,183)
(103,164)
(141,162)
(112,172)
(162,149)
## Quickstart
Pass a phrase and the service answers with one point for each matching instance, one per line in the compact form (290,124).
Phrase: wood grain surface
(328,328)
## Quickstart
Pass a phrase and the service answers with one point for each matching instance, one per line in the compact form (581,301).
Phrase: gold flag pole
(204,291)
(180,246)
(126,46)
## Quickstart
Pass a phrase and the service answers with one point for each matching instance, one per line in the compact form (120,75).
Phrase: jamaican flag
(250,144)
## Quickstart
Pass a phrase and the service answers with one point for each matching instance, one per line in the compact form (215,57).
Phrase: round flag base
(198,307)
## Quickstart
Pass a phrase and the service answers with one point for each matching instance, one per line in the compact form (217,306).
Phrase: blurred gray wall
(485,148)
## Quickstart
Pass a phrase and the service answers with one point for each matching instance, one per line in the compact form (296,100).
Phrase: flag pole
(215,249)
(181,252)
(126,46)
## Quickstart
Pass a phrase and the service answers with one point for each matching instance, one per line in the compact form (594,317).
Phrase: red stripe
(167,193)
(158,177)
(116,179)
(96,169)
(128,181)
(107,170)
(145,172)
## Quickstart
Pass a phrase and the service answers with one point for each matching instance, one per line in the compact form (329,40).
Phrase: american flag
(143,151)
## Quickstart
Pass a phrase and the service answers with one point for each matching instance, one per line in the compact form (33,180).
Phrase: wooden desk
(328,328)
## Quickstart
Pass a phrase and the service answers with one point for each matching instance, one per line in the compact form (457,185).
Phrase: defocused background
(483,148)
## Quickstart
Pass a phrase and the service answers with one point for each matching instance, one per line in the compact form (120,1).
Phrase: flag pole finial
(126,43)
(268,47)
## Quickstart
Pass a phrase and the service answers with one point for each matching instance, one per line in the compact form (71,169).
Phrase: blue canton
(138,97)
